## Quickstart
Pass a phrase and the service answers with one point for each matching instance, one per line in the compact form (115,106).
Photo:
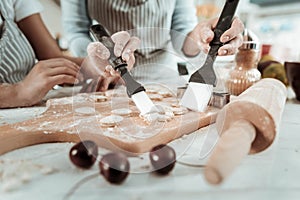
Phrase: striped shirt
(158,23)
(16,54)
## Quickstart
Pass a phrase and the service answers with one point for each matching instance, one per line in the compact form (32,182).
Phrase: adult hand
(46,74)
(97,66)
(125,45)
(203,34)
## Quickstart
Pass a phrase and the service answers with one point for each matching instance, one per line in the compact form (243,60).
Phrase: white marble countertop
(45,171)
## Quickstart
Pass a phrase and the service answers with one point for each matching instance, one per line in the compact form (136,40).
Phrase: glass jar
(245,72)
(223,65)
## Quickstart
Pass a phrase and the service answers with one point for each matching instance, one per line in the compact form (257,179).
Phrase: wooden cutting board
(76,118)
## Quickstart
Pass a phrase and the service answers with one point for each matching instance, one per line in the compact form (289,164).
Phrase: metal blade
(143,103)
(135,90)
(206,73)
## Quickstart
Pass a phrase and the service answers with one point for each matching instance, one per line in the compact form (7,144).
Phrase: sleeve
(25,8)
(76,24)
(184,20)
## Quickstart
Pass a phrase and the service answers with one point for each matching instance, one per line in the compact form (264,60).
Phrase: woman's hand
(125,45)
(97,67)
(203,34)
(44,76)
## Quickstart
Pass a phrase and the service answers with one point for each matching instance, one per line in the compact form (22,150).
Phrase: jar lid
(250,45)
(251,41)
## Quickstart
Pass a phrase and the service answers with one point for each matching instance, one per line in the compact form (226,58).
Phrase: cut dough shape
(122,112)
(175,105)
(85,110)
(151,91)
(179,110)
(165,94)
(99,98)
(155,97)
(111,120)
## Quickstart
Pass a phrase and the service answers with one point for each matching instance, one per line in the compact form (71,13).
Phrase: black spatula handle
(99,33)
(224,21)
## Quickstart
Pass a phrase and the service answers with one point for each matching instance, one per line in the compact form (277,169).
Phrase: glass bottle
(245,72)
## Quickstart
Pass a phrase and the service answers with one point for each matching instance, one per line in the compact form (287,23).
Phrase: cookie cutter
(218,99)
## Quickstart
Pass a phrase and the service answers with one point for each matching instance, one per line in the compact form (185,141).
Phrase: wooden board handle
(232,147)
(11,139)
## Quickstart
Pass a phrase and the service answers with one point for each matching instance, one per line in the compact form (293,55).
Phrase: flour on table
(15,173)
(80,98)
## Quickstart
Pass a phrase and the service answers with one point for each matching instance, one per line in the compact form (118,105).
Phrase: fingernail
(126,56)
(226,38)
(224,52)
(76,81)
(204,40)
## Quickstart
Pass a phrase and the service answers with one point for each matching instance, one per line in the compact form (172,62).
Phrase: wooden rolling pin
(246,125)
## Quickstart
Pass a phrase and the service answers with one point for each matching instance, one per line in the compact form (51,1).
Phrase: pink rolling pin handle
(233,145)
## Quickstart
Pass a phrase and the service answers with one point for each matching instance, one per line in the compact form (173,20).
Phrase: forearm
(44,45)
(10,96)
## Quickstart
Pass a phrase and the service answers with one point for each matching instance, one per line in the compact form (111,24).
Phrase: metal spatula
(134,89)
(201,82)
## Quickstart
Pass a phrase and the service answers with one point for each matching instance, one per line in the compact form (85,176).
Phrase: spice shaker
(245,72)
